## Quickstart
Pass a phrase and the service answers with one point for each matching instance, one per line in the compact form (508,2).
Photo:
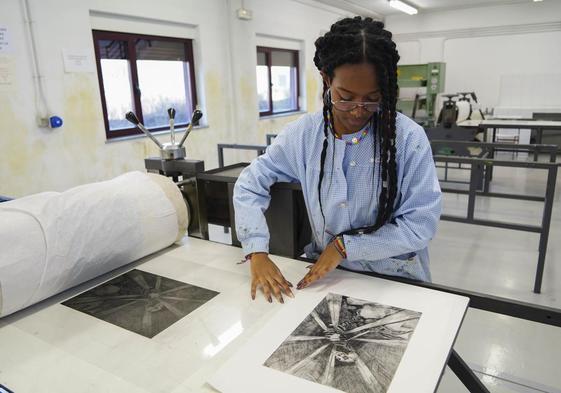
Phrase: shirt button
(352,163)
(342,204)
(372,160)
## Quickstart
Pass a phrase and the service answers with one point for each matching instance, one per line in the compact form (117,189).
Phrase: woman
(367,173)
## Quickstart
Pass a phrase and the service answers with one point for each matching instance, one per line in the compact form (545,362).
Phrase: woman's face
(358,83)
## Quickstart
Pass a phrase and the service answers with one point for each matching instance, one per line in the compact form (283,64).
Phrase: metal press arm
(134,120)
(171,113)
(197,114)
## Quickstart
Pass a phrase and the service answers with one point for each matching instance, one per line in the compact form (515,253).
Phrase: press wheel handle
(171,113)
(197,114)
(130,116)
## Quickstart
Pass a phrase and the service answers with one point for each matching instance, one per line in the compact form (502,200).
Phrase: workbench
(540,126)
(53,347)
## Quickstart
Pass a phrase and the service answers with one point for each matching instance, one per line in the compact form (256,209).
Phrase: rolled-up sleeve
(252,189)
(414,221)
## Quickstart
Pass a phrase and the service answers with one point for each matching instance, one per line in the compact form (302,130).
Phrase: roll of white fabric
(464,109)
(50,242)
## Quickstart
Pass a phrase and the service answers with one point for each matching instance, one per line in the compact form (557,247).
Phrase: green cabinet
(428,79)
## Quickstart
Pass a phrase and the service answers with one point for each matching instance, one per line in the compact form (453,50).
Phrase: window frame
(267,51)
(131,39)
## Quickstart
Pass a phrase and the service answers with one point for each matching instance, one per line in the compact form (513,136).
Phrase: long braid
(388,154)
(326,121)
(393,89)
(354,41)
(384,143)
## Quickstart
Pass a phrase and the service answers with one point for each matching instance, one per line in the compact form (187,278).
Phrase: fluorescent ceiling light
(403,7)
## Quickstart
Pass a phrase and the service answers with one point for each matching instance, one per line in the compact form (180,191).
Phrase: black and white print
(141,302)
(349,344)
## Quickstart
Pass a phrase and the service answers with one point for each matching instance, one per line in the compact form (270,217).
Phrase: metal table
(292,231)
(287,210)
(540,126)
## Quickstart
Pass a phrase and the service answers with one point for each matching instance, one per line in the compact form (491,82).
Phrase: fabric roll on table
(52,241)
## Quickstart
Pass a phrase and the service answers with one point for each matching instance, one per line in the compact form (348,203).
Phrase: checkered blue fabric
(349,195)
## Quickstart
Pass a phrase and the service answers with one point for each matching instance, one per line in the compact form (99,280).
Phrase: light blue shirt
(349,196)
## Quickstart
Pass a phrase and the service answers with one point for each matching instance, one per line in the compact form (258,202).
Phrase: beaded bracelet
(340,246)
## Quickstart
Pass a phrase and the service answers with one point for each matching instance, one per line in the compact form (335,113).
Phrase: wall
(482,46)
(35,160)
(273,24)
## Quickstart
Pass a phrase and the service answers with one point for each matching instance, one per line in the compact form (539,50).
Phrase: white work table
(539,125)
(50,347)
(514,123)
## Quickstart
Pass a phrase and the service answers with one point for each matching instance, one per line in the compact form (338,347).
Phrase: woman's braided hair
(363,40)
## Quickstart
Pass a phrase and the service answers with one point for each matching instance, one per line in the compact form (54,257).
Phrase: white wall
(34,159)
(485,45)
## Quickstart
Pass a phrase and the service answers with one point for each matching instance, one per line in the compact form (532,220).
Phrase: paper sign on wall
(78,60)
(4,39)
(7,71)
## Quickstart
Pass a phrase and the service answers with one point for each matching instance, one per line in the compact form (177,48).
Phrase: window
(146,75)
(277,80)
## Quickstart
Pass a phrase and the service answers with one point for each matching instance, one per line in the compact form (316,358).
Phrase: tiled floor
(510,355)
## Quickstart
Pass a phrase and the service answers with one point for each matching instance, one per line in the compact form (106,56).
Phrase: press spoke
(318,320)
(334,304)
(369,379)
(379,324)
(327,377)
(112,310)
(391,343)
(305,338)
(172,308)
(177,289)
(93,299)
(180,299)
(307,360)
(139,279)
(147,320)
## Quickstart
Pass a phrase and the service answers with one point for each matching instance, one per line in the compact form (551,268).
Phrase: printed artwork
(141,302)
(349,344)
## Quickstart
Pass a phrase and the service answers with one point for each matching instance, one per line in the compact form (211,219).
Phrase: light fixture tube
(403,7)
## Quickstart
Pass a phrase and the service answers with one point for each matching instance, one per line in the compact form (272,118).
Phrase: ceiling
(381,8)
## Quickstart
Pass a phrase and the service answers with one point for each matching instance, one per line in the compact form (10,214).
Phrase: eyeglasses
(347,106)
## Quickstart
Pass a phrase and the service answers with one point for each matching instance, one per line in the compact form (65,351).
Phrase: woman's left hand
(328,260)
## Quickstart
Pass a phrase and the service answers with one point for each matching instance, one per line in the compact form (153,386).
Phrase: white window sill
(282,115)
(178,134)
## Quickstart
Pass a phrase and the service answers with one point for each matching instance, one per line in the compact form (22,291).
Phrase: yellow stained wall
(34,160)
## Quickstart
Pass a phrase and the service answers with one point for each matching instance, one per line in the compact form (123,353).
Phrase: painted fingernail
(282,300)
(270,300)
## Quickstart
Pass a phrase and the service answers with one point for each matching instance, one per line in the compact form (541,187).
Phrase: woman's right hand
(266,275)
